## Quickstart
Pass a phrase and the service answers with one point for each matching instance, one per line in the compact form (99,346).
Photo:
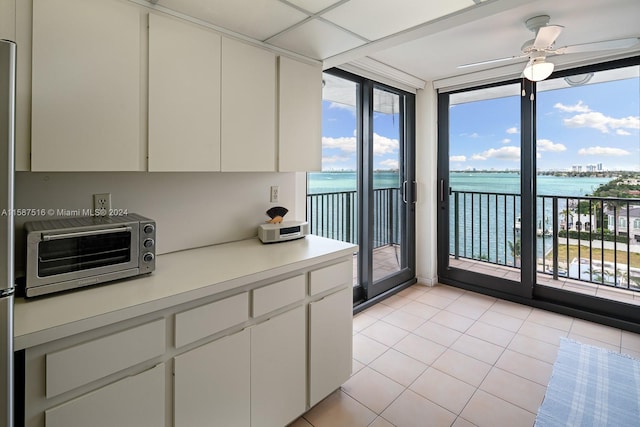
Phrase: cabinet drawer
(133,401)
(75,366)
(209,319)
(331,277)
(280,294)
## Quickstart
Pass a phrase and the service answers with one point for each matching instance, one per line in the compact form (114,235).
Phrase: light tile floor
(442,356)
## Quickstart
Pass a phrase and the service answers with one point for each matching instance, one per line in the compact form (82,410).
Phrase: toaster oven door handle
(47,237)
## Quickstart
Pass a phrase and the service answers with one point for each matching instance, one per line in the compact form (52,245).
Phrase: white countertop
(179,277)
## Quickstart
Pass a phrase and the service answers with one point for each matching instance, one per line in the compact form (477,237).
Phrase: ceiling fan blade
(491,61)
(547,36)
(604,45)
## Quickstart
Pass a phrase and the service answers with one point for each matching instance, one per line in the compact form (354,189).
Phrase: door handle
(404,192)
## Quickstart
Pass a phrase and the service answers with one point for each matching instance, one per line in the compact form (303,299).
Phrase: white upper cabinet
(300,116)
(184,96)
(248,108)
(7,20)
(86,86)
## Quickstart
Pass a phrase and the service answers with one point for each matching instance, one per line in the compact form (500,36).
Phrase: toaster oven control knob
(148,257)
(148,229)
(148,243)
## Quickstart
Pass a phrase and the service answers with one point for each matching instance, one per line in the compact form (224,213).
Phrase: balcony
(584,244)
(334,215)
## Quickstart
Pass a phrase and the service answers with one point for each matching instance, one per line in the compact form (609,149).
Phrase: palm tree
(516,251)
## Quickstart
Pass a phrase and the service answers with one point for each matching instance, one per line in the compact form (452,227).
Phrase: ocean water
(329,182)
(486,224)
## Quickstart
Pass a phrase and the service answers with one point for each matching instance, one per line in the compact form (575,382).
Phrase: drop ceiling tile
(316,39)
(374,19)
(313,6)
(258,19)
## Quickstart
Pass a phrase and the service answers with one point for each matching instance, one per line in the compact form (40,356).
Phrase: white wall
(191,209)
(426,176)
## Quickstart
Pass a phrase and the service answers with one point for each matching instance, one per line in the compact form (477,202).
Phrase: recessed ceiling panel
(258,19)
(316,39)
(374,19)
(501,35)
(313,6)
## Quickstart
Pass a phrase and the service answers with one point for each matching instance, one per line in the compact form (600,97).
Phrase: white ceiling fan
(541,46)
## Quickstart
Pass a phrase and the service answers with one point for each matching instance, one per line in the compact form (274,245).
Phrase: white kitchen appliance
(283,231)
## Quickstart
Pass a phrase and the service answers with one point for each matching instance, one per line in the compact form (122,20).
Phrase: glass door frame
(594,308)
(366,288)
(462,277)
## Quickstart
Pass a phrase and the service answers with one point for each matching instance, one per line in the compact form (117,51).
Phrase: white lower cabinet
(212,384)
(330,343)
(137,401)
(278,369)
(257,358)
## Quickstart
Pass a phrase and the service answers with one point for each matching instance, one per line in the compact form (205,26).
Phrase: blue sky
(339,140)
(597,123)
(583,125)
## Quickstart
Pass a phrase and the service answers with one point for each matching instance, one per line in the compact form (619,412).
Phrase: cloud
(622,132)
(457,158)
(502,153)
(578,108)
(383,145)
(335,159)
(390,164)
(512,130)
(344,143)
(547,145)
(603,151)
(506,141)
(601,122)
(339,106)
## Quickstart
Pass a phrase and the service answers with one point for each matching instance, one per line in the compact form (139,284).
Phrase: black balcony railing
(590,239)
(334,215)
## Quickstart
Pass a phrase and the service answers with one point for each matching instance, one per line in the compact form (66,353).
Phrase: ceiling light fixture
(538,69)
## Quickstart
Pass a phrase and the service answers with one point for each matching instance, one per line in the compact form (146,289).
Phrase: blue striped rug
(591,386)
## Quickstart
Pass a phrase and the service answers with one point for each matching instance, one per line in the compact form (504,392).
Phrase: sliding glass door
(388,184)
(539,189)
(365,191)
(481,213)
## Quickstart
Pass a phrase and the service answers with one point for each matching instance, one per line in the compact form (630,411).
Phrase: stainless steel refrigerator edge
(7,141)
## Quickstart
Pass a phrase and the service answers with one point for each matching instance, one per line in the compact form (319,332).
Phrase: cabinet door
(184,96)
(248,108)
(137,401)
(278,369)
(330,343)
(212,385)
(86,86)
(300,116)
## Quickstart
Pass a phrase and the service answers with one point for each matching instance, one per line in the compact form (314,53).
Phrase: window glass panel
(332,205)
(484,177)
(588,159)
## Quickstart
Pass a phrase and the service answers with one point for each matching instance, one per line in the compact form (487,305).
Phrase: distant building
(576,168)
(625,223)
(591,168)
(629,181)
(599,167)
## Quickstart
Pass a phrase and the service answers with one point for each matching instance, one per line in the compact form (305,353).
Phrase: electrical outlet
(275,194)
(101,204)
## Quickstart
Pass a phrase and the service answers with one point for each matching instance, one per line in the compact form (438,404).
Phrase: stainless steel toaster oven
(75,252)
